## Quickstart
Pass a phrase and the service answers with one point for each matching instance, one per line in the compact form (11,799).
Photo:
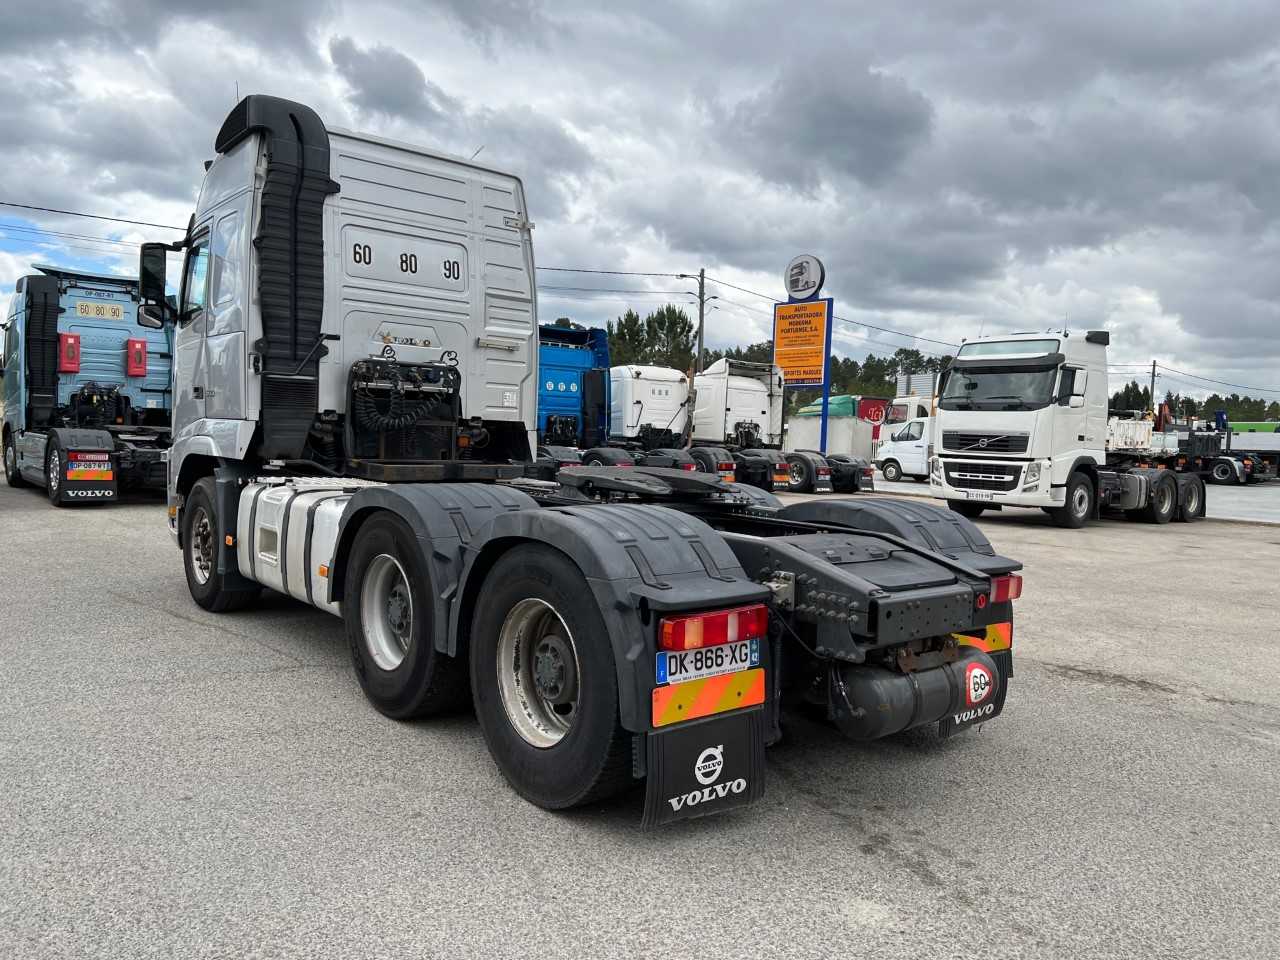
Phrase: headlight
(1033,474)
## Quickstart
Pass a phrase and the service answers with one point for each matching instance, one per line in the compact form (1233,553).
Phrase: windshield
(995,389)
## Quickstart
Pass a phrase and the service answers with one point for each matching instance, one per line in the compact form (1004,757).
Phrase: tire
(1079,506)
(558,745)
(200,528)
(387,607)
(1163,503)
(966,508)
(1193,506)
(801,474)
(1221,472)
(11,474)
(892,472)
(55,466)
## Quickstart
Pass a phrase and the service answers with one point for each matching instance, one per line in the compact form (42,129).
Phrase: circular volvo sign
(804,277)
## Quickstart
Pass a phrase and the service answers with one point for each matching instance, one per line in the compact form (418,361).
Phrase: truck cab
(348,306)
(1017,416)
(86,391)
(573,385)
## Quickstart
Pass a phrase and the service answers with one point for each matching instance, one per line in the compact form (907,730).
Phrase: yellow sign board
(802,341)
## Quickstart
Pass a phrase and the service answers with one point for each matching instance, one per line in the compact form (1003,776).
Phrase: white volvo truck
(355,384)
(1022,422)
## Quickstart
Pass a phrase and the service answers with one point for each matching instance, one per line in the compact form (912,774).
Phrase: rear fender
(639,561)
(926,524)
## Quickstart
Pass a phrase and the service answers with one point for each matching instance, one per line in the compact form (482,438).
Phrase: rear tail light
(68,353)
(75,456)
(1006,588)
(868,472)
(725,465)
(135,358)
(625,463)
(689,466)
(824,471)
(711,629)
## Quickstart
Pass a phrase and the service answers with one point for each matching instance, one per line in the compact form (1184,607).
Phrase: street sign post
(802,332)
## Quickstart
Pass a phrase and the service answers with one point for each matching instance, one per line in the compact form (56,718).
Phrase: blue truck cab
(85,390)
(573,386)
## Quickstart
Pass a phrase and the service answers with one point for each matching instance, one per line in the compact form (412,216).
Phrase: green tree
(669,337)
(628,339)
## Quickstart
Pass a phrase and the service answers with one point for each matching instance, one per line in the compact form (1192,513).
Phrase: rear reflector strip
(702,698)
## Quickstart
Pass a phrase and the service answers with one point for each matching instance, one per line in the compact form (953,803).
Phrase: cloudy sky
(961,166)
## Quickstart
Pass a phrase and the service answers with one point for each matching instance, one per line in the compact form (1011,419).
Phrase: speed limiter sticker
(977,684)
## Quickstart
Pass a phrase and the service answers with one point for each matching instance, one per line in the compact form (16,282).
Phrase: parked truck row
(728,422)
(610,625)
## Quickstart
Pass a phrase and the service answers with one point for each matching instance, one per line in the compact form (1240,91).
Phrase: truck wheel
(1163,502)
(966,508)
(1079,506)
(11,474)
(801,475)
(1193,504)
(387,608)
(892,472)
(200,528)
(55,467)
(1222,472)
(544,682)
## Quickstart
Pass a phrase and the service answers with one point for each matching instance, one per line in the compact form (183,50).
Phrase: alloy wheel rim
(201,546)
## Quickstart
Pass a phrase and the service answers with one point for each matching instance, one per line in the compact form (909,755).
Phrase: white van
(906,452)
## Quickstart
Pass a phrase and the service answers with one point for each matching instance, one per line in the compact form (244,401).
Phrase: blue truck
(573,385)
(85,390)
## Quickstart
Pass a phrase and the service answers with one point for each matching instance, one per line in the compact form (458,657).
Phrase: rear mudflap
(974,711)
(89,476)
(702,767)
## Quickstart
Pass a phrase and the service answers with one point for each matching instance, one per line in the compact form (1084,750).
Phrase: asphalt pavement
(1251,503)
(183,784)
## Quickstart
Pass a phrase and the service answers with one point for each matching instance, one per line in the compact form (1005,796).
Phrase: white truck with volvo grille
(1022,422)
(355,381)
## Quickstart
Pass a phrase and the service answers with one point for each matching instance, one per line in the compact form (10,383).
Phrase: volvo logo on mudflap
(977,684)
(89,493)
(707,769)
(968,716)
(710,762)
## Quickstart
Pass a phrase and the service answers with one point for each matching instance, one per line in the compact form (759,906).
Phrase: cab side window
(914,431)
(1066,386)
(195,281)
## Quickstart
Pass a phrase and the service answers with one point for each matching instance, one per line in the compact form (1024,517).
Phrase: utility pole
(702,313)
(1153,388)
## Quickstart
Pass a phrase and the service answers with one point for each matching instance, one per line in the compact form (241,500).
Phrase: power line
(1225,383)
(860,323)
(664,293)
(23,228)
(90,216)
(611,273)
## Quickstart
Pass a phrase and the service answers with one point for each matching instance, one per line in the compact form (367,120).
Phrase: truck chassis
(551,606)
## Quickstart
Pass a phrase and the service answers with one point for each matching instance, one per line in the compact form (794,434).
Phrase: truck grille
(982,476)
(985,442)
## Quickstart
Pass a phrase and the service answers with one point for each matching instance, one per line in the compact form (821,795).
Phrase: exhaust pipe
(867,703)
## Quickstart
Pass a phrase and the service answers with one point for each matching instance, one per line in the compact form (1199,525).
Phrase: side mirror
(1075,402)
(151,316)
(153,261)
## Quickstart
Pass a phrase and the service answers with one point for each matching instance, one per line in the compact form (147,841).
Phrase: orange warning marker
(702,698)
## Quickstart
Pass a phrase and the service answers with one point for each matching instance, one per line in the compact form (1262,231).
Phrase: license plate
(99,311)
(978,495)
(684,665)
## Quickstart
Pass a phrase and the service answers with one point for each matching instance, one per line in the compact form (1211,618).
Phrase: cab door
(190,367)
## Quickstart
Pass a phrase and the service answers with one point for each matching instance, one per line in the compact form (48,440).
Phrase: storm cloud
(960,166)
